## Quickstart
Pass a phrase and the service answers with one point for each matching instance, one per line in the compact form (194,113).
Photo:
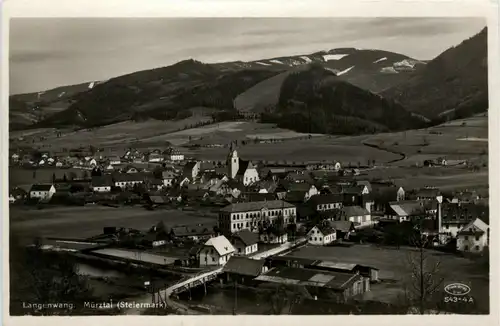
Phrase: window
(466,238)
(476,248)
(320,239)
(213,258)
(466,248)
(311,238)
(247,224)
(315,239)
(477,238)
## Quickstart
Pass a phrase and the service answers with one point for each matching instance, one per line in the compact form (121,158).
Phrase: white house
(155,157)
(92,162)
(473,237)
(191,169)
(124,180)
(326,202)
(168,178)
(321,235)
(115,160)
(174,155)
(245,242)
(42,191)
(216,252)
(358,215)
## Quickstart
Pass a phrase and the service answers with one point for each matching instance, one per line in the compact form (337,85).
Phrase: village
(262,214)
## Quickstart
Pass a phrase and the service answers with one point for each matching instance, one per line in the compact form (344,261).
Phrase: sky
(50,52)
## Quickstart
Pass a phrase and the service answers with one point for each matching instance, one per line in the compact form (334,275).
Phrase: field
(87,221)
(393,268)
(402,151)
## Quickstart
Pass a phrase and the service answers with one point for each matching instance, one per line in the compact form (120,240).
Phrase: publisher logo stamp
(457,289)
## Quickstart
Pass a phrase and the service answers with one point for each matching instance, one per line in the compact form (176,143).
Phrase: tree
(71,175)
(422,289)
(281,299)
(53,178)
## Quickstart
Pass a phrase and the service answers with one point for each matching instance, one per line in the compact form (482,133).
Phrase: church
(240,170)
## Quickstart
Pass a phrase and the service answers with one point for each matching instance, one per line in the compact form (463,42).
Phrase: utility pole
(235,296)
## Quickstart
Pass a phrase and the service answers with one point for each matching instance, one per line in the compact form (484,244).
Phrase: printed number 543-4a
(465,299)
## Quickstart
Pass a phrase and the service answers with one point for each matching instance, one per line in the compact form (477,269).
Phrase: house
(173,155)
(358,215)
(92,162)
(191,170)
(255,196)
(299,177)
(335,166)
(249,215)
(326,202)
(429,194)
(465,197)
(115,160)
(404,210)
(243,171)
(124,180)
(473,237)
(344,229)
(101,183)
(245,242)
(154,184)
(242,269)
(321,235)
(15,157)
(365,183)
(130,169)
(216,252)
(273,235)
(155,157)
(335,286)
(266,186)
(369,272)
(356,190)
(42,191)
(455,216)
(193,232)
(308,189)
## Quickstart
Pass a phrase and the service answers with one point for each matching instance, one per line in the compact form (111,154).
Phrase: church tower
(233,162)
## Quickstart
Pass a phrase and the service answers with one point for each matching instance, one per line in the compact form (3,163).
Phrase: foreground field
(87,221)
(394,268)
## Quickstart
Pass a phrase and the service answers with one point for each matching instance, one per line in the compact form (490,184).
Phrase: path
(403,155)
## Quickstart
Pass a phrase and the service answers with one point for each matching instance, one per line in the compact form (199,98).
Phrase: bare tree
(423,286)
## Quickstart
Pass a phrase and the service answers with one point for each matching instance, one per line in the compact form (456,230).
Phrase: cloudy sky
(51,52)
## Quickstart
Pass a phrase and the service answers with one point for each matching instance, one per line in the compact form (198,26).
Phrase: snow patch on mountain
(276,61)
(61,94)
(306,58)
(262,63)
(388,70)
(405,63)
(340,73)
(91,85)
(329,57)
(381,59)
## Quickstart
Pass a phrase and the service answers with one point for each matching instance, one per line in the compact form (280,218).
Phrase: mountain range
(344,91)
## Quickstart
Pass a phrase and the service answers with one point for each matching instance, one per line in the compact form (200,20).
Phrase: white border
(259,8)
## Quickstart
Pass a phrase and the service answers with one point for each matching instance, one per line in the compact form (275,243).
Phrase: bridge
(164,295)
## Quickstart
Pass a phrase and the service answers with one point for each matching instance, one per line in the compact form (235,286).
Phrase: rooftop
(309,277)
(221,244)
(244,266)
(256,206)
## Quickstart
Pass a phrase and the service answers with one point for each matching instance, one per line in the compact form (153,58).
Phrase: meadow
(87,221)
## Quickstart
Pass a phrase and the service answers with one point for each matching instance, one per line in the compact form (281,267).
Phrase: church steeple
(233,162)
